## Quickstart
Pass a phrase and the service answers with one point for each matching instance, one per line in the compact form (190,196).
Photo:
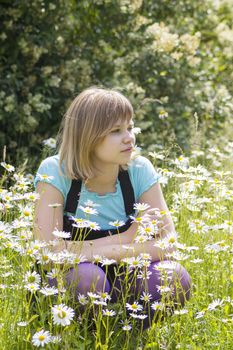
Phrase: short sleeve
(143,175)
(49,172)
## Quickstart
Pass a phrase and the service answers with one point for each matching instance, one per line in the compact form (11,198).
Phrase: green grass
(201,205)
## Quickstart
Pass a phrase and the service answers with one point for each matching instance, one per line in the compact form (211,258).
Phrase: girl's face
(117,146)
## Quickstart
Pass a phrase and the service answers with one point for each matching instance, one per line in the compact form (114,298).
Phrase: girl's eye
(115,130)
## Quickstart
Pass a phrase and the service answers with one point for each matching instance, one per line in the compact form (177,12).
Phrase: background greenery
(173,59)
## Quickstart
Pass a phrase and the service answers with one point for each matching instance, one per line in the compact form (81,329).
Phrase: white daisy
(51,142)
(146,297)
(8,167)
(45,177)
(41,338)
(47,291)
(141,317)
(215,303)
(62,315)
(88,210)
(32,277)
(181,312)
(135,307)
(156,305)
(32,287)
(82,299)
(109,313)
(117,223)
(61,234)
(141,206)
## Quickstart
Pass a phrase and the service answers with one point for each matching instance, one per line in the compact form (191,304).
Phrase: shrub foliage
(171,58)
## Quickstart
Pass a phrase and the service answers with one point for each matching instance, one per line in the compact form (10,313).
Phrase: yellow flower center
(62,314)
(41,337)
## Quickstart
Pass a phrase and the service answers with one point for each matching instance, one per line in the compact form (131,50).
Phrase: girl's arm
(49,216)
(154,197)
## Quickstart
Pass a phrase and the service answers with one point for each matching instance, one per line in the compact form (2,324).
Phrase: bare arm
(48,218)
(154,197)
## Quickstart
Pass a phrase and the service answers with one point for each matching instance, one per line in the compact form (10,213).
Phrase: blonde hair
(90,117)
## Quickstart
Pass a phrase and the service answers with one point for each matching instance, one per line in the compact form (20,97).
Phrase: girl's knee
(182,283)
(87,277)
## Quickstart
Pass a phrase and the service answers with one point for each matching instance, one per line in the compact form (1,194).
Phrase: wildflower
(44,257)
(93,295)
(141,317)
(156,305)
(163,289)
(45,177)
(200,314)
(133,261)
(61,234)
(107,261)
(136,130)
(145,256)
(54,273)
(146,297)
(94,226)
(134,307)
(140,239)
(26,212)
(51,142)
(56,339)
(215,303)
(117,223)
(141,206)
(47,291)
(145,274)
(100,302)
(32,287)
(104,295)
(31,196)
(32,277)
(171,238)
(97,259)
(163,114)
(8,167)
(126,326)
(181,312)
(138,219)
(109,313)
(30,177)
(41,338)
(82,299)
(62,315)
(166,265)
(88,210)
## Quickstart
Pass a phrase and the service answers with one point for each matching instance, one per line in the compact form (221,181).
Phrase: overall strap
(126,189)
(73,196)
(127,192)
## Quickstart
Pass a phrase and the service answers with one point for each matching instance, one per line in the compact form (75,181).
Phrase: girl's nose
(128,136)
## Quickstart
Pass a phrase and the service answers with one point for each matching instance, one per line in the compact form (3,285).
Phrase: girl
(90,190)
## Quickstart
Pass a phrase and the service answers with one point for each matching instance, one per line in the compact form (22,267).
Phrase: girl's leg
(84,278)
(161,274)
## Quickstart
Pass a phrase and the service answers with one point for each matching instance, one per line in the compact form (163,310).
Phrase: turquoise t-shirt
(110,207)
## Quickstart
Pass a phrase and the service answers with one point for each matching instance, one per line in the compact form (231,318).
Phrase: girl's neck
(104,182)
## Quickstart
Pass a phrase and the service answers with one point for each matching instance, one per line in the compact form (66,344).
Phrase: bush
(172,59)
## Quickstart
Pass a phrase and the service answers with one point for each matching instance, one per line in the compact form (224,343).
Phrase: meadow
(33,314)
